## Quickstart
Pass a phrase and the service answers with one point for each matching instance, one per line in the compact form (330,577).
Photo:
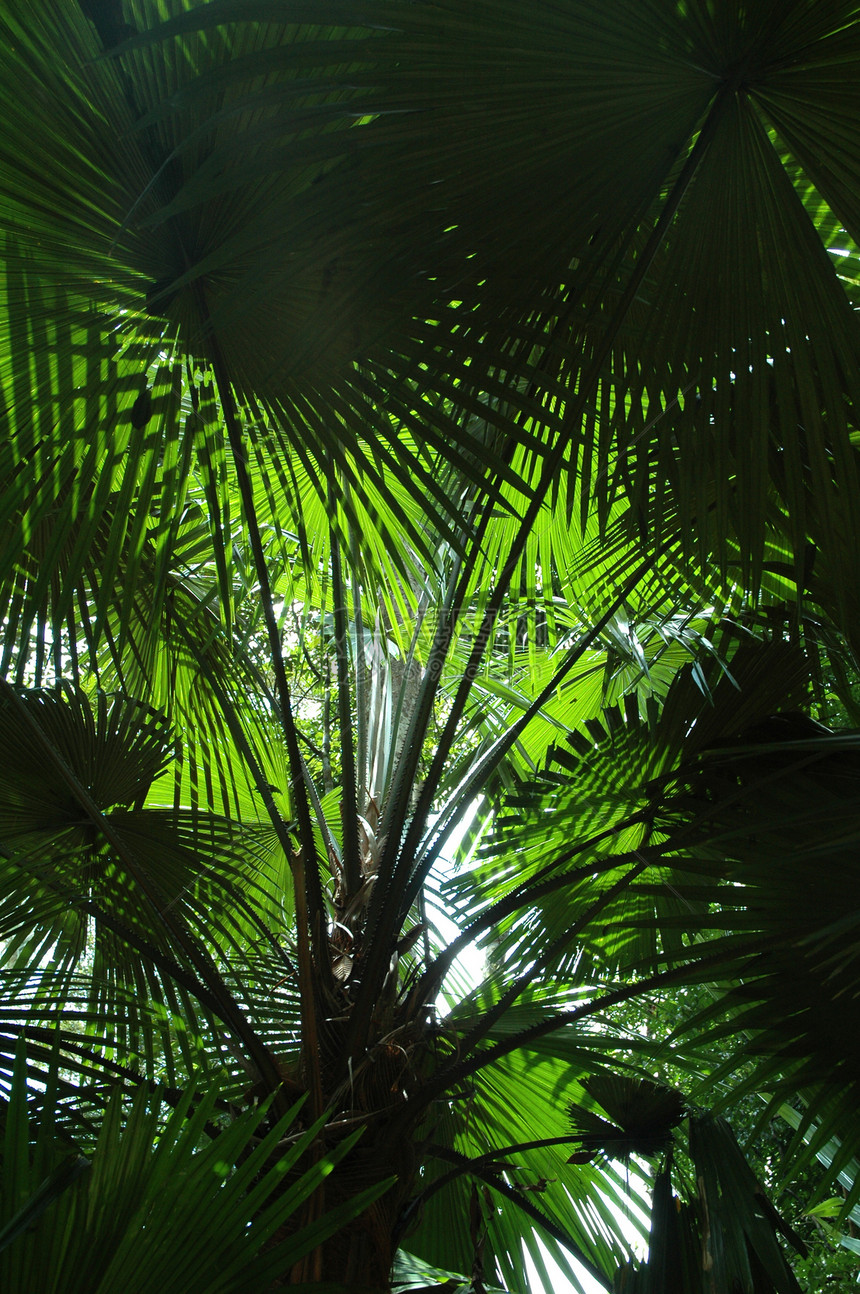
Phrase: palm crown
(425,423)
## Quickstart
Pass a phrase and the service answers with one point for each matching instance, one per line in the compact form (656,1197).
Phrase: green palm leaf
(187,1201)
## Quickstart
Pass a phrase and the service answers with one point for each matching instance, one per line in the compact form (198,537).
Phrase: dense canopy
(430,516)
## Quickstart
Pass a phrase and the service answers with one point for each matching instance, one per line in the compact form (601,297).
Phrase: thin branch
(529,892)
(362,789)
(387,905)
(522,982)
(234,434)
(466,1167)
(554,459)
(351,857)
(475,1168)
(454,1074)
(491,759)
(378,936)
(311,920)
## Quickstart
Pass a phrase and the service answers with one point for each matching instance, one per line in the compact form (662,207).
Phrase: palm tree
(495,367)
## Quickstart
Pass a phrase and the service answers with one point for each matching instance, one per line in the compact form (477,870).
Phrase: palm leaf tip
(641,1116)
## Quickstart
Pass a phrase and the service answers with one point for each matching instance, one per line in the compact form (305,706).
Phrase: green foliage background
(428,445)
